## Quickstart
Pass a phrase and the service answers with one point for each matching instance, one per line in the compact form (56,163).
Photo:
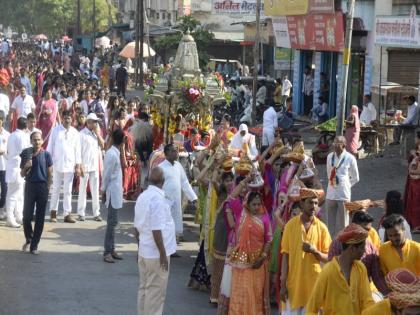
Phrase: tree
(201,36)
(53,17)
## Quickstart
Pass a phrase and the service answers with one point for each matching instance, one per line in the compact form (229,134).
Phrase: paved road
(69,277)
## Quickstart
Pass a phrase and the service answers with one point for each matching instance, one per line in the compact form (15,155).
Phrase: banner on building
(235,7)
(285,7)
(184,7)
(297,7)
(283,58)
(321,32)
(321,6)
(398,31)
(281,31)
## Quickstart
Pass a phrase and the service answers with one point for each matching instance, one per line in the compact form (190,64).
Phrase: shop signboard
(283,58)
(321,6)
(235,7)
(281,31)
(297,7)
(321,32)
(398,31)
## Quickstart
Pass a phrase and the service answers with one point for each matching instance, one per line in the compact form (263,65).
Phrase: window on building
(157,15)
(169,16)
(163,16)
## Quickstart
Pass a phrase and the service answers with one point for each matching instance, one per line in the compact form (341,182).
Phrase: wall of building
(382,7)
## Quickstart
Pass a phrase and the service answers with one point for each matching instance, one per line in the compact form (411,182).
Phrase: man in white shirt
(270,124)
(343,174)
(176,181)
(413,118)
(24,80)
(4,137)
(112,193)
(31,123)
(368,114)
(23,104)
(4,101)
(261,94)
(17,141)
(91,144)
(64,147)
(285,89)
(157,242)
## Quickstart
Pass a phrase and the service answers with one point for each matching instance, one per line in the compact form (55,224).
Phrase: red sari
(412,195)
(130,164)
(47,117)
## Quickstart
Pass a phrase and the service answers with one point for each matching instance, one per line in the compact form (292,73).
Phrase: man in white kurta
(112,193)
(4,137)
(343,174)
(18,141)
(91,144)
(176,181)
(23,104)
(64,147)
(270,124)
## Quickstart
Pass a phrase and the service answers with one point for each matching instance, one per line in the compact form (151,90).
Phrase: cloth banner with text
(320,32)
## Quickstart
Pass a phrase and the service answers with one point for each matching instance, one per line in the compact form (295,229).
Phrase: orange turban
(357,205)
(311,193)
(405,287)
(352,234)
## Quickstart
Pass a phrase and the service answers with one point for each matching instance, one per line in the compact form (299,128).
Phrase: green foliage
(53,17)
(202,38)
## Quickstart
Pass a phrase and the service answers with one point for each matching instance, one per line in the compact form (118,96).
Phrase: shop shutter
(404,67)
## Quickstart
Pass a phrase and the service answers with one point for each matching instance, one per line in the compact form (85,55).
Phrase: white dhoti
(14,201)
(93,179)
(65,179)
(268,136)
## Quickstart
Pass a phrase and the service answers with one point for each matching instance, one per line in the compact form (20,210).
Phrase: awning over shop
(229,36)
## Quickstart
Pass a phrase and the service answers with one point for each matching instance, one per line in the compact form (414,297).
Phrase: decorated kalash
(182,105)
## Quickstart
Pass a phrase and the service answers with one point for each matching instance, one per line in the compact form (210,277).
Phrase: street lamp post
(341,110)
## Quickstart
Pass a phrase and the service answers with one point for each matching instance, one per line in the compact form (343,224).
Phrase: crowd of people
(269,233)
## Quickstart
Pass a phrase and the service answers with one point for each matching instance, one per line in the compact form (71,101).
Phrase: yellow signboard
(285,7)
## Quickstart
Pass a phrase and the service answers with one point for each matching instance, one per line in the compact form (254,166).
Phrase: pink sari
(47,116)
(353,132)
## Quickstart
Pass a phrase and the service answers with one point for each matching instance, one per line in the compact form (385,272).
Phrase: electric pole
(256,60)
(341,110)
(137,39)
(141,43)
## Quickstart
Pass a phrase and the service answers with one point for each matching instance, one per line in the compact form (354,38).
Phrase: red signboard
(321,32)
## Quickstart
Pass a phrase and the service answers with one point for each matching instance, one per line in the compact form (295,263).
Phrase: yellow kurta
(374,238)
(334,295)
(304,268)
(390,260)
(381,308)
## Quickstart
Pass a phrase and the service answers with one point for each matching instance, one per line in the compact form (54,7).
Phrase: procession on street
(251,168)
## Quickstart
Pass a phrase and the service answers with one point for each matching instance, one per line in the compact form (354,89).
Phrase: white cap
(92,116)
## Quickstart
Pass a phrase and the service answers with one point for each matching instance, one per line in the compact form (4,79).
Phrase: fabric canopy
(129,51)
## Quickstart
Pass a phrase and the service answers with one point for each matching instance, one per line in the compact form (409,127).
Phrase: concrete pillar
(383,7)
